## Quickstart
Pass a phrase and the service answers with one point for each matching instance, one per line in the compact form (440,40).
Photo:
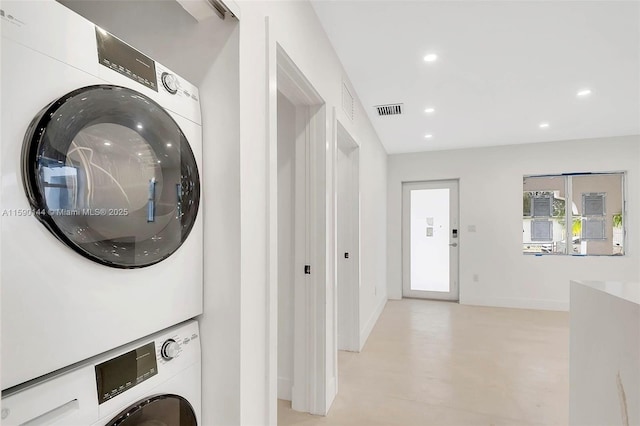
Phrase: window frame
(568,186)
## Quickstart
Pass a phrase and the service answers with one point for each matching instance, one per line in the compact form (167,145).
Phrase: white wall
(286,245)
(604,358)
(373,217)
(491,199)
(220,322)
(205,53)
(296,28)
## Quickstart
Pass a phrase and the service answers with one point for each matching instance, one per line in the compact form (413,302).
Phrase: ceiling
(503,69)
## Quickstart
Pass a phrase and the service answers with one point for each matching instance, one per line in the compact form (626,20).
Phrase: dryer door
(162,410)
(109,172)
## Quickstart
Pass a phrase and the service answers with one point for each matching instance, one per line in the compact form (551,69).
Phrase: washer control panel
(163,356)
(169,349)
(169,82)
(122,373)
(175,345)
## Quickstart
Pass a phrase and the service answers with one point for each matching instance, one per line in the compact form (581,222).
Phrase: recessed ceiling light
(429,110)
(584,92)
(107,143)
(428,136)
(544,125)
(168,145)
(431,57)
(139,153)
(139,126)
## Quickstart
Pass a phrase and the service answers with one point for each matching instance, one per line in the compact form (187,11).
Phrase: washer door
(161,410)
(110,174)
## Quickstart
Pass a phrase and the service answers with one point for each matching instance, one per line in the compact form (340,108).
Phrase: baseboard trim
(332,390)
(371,322)
(538,304)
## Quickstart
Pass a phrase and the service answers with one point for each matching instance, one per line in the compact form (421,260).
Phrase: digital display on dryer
(120,374)
(124,59)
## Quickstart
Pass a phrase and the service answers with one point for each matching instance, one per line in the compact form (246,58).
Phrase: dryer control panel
(118,56)
(124,59)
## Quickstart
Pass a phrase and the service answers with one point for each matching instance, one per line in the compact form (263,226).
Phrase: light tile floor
(440,363)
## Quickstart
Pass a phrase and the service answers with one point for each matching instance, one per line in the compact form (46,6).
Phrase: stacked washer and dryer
(101,236)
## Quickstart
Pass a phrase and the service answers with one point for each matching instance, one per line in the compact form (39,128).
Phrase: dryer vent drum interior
(110,174)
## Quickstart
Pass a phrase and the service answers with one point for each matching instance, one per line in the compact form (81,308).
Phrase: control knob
(169,349)
(169,82)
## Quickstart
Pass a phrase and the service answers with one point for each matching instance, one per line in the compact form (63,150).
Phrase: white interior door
(348,241)
(430,240)
(288,185)
(294,239)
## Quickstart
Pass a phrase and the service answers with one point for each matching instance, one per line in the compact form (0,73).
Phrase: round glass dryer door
(162,410)
(110,174)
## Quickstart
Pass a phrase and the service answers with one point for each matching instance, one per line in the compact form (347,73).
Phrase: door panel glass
(110,173)
(430,231)
(163,410)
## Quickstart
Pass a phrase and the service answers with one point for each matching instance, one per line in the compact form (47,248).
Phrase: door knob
(453,244)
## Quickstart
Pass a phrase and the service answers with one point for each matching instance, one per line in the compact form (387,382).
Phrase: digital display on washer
(124,59)
(124,372)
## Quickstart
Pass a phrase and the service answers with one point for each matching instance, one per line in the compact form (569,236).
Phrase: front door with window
(430,234)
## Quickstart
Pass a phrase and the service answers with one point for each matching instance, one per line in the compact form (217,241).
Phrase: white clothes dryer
(153,381)
(101,236)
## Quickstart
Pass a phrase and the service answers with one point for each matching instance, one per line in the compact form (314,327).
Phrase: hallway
(439,363)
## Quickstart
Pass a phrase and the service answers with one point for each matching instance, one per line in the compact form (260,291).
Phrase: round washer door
(110,173)
(161,410)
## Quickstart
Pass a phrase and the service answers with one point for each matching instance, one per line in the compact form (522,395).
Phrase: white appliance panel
(51,296)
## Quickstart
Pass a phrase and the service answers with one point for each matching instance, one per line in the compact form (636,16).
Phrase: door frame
(351,297)
(311,391)
(454,268)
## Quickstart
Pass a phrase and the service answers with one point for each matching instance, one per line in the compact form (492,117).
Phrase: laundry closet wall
(206,54)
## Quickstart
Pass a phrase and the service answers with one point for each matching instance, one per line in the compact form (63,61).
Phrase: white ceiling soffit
(507,72)
(204,9)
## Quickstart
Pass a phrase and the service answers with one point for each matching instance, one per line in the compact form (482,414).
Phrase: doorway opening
(301,253)
(430,240)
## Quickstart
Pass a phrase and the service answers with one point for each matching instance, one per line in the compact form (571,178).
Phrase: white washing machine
(101,236)
(153,381)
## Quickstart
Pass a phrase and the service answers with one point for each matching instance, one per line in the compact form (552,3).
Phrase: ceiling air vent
(389,109)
